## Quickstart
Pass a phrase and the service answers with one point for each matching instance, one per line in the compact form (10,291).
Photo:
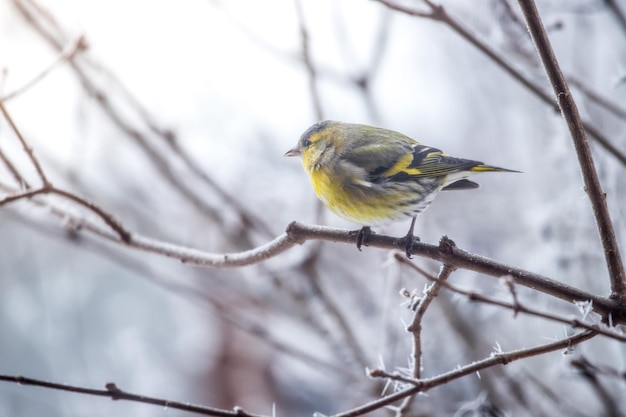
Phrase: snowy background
(227,79)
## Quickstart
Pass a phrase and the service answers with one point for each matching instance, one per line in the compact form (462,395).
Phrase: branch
(27,148)
(422,385)
(298,233)
(77,46)
(438,13)
(48,188)
(123,234)
(308,62)
(114,393)
(572,117)
(107,217)
(14,171)
(420,310)
(140,134)
(416,328)
(516,306)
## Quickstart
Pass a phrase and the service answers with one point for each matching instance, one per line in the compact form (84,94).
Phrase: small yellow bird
(373,176)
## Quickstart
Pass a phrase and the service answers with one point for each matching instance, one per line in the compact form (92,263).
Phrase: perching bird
(374,176)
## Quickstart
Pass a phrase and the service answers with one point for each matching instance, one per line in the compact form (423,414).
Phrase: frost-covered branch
(517,306)
(425,384)
(415,328)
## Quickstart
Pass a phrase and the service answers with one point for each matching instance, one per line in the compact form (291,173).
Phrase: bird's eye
(306,143)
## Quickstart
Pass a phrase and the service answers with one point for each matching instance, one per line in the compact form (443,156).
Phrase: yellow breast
(352,199)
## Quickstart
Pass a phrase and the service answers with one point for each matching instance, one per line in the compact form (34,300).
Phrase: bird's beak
(293,152)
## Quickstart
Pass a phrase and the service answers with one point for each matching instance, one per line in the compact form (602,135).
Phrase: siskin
(374,176)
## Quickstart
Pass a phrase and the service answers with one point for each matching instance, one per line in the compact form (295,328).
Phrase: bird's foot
(362,235)
(409,239)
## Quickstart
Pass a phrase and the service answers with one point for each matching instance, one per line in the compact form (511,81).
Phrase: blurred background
(175,118)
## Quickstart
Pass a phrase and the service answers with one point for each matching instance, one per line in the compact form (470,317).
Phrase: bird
(374,176)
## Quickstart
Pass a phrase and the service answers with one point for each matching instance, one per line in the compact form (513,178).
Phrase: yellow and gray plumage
(373,176)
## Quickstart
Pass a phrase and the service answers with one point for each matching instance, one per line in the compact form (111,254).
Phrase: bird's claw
(408,244)
(409,239)
(362,235)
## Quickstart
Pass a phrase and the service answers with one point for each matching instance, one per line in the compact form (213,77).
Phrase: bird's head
(319,145)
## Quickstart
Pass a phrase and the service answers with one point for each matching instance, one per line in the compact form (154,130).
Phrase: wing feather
(406,161)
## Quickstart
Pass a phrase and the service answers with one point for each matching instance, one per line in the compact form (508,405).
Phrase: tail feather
(490,168)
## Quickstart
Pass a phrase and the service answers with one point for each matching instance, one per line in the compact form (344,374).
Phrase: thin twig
(22,195)
(516,306)
(107,217)
(27,148)
(422,385)
(48,188)
(583,151)
(114,393)
(77,46)
(14,171)
(416,329)
(123,234)
(308,62)
(44,24)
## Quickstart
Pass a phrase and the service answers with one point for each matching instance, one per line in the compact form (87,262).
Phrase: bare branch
(27,148)
(416,325)
(585,158)
(422,385)
(45,25)
(308,61)
(114,393)
(298,233)
(107,217)
(416,328)
(77,46)
(48,188)
(22,195)
(13,170)
(516,306)
(438,13)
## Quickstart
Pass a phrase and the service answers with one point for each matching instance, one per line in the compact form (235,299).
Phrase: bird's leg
(362,235)
(408,239)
